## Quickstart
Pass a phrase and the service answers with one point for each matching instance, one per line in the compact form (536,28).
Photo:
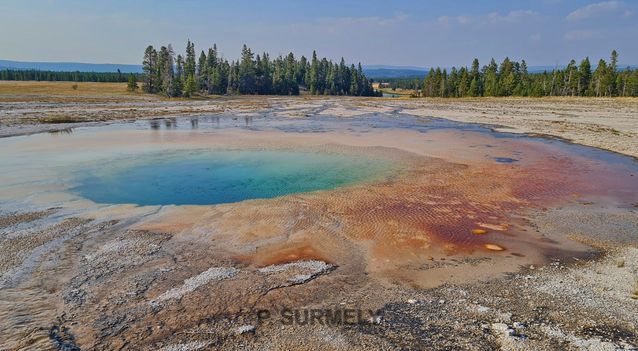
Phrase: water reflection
(171,123)
(367,123)
(65,131)
(155,124)
(175,123)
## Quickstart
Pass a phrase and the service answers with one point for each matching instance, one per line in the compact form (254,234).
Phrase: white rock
(246,329)
(192,283)
(502,328)
(375,320)
(482,309)
(190,346)
(518,325)
(314,266)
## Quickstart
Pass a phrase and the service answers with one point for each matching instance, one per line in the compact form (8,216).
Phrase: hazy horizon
(401,33)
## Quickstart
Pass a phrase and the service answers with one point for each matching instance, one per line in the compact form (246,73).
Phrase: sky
(391,32)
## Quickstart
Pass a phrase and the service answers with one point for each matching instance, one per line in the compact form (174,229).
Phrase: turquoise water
(216,177)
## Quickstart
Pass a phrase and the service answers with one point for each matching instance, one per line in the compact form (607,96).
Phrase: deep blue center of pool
(215,177)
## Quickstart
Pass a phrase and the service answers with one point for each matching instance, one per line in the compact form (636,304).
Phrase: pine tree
(189,61)
(464,83)
(149,66)
(266,79)
(610,79)
(314,74)
(190,86)
(599,79)
(584,75)
(132,83)
(202,72)
(522,86)
(572,79)
(300,70)
(475,83)
(491,79)
(507,78)
(165,70)
(179,68)
(233,78)
(292,88)
(247,76)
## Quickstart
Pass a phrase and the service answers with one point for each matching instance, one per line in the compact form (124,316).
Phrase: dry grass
(55,119)
(82,92)
(62,88)
(397,91)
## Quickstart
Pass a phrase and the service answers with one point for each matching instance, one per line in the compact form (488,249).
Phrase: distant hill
(541,69)
(70,66)
(385,72)
(372,71)
(382,72)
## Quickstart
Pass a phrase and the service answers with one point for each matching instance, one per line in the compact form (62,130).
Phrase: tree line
(511,78)
(54,76)
(165,73)
(209,73)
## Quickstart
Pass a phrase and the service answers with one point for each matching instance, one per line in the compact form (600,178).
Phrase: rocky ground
(98,285)
(70,281)
(604,123)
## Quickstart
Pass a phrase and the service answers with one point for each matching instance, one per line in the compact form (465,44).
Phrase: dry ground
(609,123)
(85,268)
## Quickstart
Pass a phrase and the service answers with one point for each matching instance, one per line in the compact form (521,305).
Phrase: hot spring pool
(205,177)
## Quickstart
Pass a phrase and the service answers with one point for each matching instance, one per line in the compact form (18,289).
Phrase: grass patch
(57,119)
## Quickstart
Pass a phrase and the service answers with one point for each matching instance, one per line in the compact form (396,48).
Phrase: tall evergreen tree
(189,62)
(313,78)
(491,79)
(600,79)
(611,88)
(149,66)
(247,76)
(475,79)
(233,78)
(584,77)
(190,86)
(202,72)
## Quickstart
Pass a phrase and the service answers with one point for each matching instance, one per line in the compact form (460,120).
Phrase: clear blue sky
(393,32)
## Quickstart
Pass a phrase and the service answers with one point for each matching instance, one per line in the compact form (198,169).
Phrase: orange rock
(499,227)
(479,231)
(494,247)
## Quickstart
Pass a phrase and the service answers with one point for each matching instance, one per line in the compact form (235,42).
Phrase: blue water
(190,179)
(205,177)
